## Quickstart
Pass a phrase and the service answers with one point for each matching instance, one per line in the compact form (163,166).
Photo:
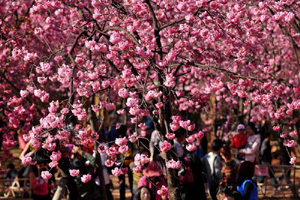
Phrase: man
(212,167)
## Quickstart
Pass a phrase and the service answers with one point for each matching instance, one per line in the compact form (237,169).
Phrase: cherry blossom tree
(69,61)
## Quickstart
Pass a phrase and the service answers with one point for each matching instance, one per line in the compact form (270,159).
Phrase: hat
(152,170)
(240,127)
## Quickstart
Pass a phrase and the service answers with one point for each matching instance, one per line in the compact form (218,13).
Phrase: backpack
(239,141)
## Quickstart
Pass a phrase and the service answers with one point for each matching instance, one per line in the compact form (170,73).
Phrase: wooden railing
(18,187)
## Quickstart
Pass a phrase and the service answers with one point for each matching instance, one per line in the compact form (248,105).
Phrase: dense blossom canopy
(143,58)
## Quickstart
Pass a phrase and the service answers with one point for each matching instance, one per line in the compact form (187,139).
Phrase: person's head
(180,135)
(11,166)
(228,193)
(251,130)
(241,128)
(143,193)
(246,170)
(122,130)
(226,152)
(216,145)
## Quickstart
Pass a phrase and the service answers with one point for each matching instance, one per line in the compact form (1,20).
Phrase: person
(40,186)
(122,131)
(266,159)
(240,139)
(251,150)
(212,167)
(228,193)
(12,172)
(193,186)
(89,190)
(178,141)
(229,169)
(246,186)
(154,144)
(137,175)
(143,193)
(152,177)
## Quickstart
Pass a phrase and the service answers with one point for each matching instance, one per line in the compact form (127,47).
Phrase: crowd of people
(227,171)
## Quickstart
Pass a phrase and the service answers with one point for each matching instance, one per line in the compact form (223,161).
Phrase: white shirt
(251,150)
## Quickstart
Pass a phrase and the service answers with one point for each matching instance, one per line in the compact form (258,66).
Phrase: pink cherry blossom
(293,161)
(74,172)
(109,163)
(190,139)
(121,141)
(86,178)
(174,126)
(173,164)
(170,136)
(137,169)
(185,124)
(116,172)
(165,146)
(276,128)
(102,148)
(163,191)
(293,133)
(46,175)
(199,135)
(191,147)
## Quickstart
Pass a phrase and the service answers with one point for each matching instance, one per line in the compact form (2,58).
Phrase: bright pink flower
(24,93)
(191,147)
(121,141)
(173,164)
(121,111)
(163,191)
(293,161)
(74,172)
(137,169)
(276,128)
(283,135)
(133,138)
(176,118)
(191,127)
(293,133)
(165,146)
(289,143)
(170,136)
(159,105)
(174,126)
(26,160)
(123,93)
(46,175)
(109,163)
(116,172)
(199,135)
(123,149)
(102,148)
(86,178)
(184,124)
(53,164)
(191,138)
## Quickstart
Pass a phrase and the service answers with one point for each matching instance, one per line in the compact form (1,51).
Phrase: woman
(40,186)
(153,179)
(229,169)
(246,186)
(143,193)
